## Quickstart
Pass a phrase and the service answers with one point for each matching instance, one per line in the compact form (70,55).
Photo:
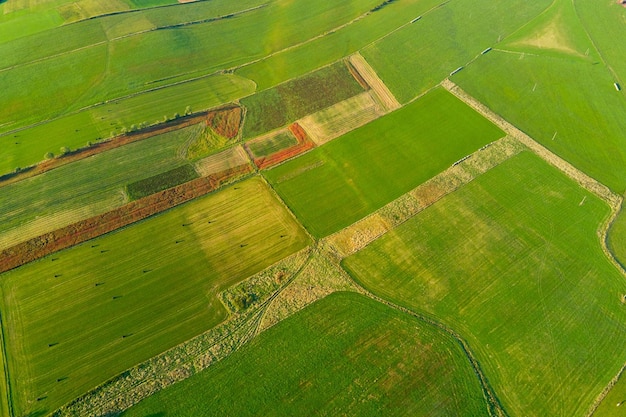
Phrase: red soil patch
(224,121)
(93,227)
(303,145)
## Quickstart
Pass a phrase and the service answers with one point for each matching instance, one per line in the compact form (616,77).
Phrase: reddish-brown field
(304,144)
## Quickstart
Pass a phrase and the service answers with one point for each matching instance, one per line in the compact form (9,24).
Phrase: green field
(87,187)
(617,238)
(334,45)
(614,403)
(548,96)
(333,186)
(422,54)
(512,262)
(80,316)
(344,355)
(287,102)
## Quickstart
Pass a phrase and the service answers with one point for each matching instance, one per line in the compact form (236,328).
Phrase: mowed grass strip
(287,102)
(343,355)
(87,187)
(336,184)
(512,262)
(78,317)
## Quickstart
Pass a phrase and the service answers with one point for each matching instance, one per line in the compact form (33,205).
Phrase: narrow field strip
(383,93)
(360,234)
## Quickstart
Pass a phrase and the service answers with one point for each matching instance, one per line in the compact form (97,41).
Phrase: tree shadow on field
(34,413)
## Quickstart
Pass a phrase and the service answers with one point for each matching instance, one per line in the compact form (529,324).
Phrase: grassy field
(512,262)
(76,130)
(135,292)
(287,102)
(344,355)
(617,237)
(132,64)
(334,45)
(87,187)
(587,117)
(334,185)
(422,54)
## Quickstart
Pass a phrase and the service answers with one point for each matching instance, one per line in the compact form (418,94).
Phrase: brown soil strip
(121,140)
(304,144)
(377,85)
(93,227)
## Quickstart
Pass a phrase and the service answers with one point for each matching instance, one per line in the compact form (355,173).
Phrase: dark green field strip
(512,262)
(333,186)
(343,355)
(160,182)
(422,54)
(87,187)
(276,107)
(586,117)
(80,316)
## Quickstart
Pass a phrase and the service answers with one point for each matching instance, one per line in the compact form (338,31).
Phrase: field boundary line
(600,190)
(494,407)
(600,398)
(5,369)
(360,234)
(381,91)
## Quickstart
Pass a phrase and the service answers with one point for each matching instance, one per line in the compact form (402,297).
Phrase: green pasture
(336,184)
(343,355)
(74,131)
(334,45)
(572,98)
(87,187)
(78,317)
(512,262)
(287,102)
(422,54)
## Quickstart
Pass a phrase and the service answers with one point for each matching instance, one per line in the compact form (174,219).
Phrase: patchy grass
(512,262)
(266,146)
(136,292)
(343,355)
(287,102)
(336,184)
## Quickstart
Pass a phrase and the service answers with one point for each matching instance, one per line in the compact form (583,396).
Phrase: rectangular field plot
(287,102)
(78,317)
(87,187)
(353,356)
(512,262)
(333,186)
